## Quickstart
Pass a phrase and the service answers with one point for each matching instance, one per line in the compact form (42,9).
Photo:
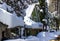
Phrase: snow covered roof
(3,6)
(32,24)
(29,10)
(32,38)
(58,32)
(28,22)
(10,19)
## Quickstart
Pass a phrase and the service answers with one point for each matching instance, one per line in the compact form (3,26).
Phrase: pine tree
(42,6)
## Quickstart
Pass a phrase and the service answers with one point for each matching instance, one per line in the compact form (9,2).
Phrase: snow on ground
(32,38)
(10,19)
(46,36)
(57,33)
(30,9)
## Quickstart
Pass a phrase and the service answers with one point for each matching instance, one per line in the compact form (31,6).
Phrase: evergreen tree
(42,6)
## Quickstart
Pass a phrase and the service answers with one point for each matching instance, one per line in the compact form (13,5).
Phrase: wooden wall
(30,31)
(2,28)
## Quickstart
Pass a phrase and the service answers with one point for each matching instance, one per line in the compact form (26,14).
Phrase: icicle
(22,32)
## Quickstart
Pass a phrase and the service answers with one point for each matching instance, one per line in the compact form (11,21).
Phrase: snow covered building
(15,13)
(31,24)
(8,17)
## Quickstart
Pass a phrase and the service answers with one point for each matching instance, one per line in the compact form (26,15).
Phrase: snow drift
(29,10)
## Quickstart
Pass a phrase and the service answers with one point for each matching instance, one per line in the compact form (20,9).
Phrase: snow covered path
(32,24)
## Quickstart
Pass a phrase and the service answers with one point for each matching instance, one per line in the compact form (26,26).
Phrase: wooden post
(0,33)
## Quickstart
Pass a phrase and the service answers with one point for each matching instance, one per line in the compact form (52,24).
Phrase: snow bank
(32,38)
(46,36)
(10,19)
(58,32)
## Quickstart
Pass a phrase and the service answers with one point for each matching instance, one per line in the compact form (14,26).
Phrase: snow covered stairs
(10,19)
